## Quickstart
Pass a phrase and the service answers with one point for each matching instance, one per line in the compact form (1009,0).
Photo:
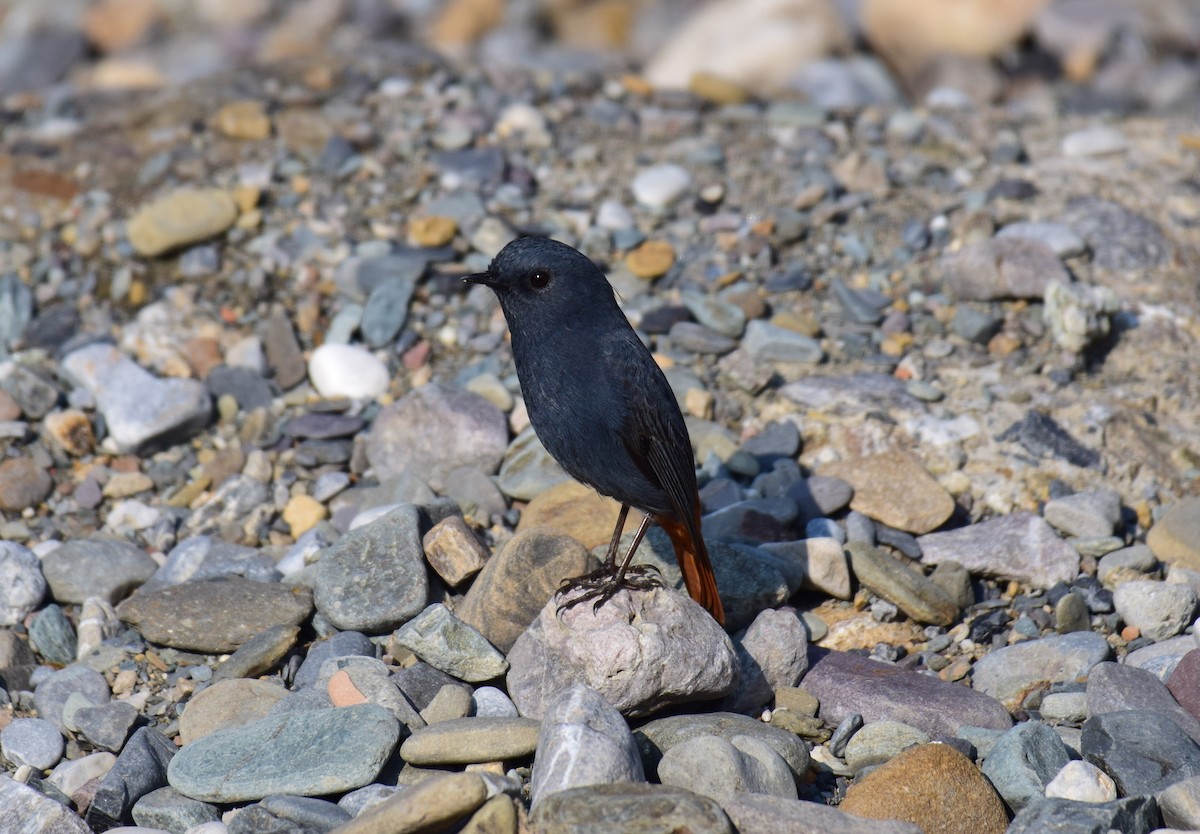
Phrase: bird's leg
(603,584)
(610,558)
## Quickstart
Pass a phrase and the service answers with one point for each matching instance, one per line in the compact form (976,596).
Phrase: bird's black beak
(484,278)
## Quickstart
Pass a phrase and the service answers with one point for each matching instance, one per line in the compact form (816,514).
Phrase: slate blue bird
(602,407)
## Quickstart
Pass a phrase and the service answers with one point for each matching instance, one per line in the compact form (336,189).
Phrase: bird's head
(543,274)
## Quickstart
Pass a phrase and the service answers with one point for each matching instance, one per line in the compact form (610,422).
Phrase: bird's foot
(603,584)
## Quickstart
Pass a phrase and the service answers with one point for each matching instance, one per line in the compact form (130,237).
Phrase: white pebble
(247,353)
(347,371)
(1094,141)
(132,514)
(661,185)
(613,216)
(1082,782)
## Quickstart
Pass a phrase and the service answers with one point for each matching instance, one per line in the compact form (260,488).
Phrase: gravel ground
(278,547)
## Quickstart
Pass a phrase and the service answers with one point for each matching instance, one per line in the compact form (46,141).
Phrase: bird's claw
(603,584)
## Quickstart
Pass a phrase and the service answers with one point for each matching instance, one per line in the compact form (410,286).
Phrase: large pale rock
(188,215)
(641,650)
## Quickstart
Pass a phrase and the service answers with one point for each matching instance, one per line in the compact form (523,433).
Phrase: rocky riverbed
(278,546)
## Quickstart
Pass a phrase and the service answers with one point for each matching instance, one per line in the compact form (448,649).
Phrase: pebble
(848,683)
(447,643)
(180,218)
(453,551)
(1065,707)
(51,694)
(1020,546)
(226,704)
(1175,537)
(25,803)
(1116,687)
(207,557)
(22,583)
(101,566)
(471,740)
(1000,268)
(276,755)
(879,742)
(216,615)
(661,186)
(1007,674)
(140,411)
(1023,761)
(243,119)
(454,428)
(821,562)
(1119,238)
(1141,750)
(167,809)
(663,809)
(651,259)
(436,803)
(1090,513)
(762,814)
(141,767)
(910,590)
(1060,237)
(1136,813)
(52,635)
(928,785)
(767,343)
(517,581)
(23,484)
(373,578)
(896,489)
(720,768)
(1182,680)
(1158,610)
(1081,782)
(347,371)
(582,740)
(1180,804)
(1094,141)
(33,742)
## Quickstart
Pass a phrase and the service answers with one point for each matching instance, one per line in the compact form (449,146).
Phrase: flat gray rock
(207,557)
(1010,673)
(849,683)
(309,753)
(1023,761)
(374,578)
(582,741)
(1115,687)
(140,768)
(655,738)
(722,768)
(761,814)
(447,643)
(32,812)
(214,615)
(99,566)
(141,411)
(1020,546)
(631,809)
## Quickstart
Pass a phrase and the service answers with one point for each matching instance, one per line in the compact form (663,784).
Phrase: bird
(602,407)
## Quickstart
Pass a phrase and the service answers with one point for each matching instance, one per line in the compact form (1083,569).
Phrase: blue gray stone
(1142,751)
(1009,673)
(140,768)
(309,753)
(52,635)
(206,557)
(447,643)
(99,566)
(1023,761)
(22,583)
(1133,815)
(168,809)
(51,694)
(32,741)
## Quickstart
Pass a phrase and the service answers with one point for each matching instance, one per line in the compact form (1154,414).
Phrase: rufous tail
(692,556)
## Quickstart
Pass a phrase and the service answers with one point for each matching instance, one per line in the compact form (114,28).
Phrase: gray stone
(434,430)
(617,649)
(696,338)
(1180,804)
(720,768)
(1060,237)
(909,590)
(340,644)
(1071,614)
(141,411)
(371,679)
(818,564)
(1116,687)
(1023,761)
(490,702)
(32,741)
(140,768)
(171,811)
(51,694)
(582,741)
(374,577)
(1119,238)
(103,567)
(1161,658)
(259,654)
(17,661)
(475,493)
(214,615)
(1009,673)
(879,742)
(1133,815)
(769,343)
(1018,546)
(36,813)
(22,584)
(52,636)
(849,683)
(1136,558)
(771,653)
(721,316)
(1095,512)
(655,738)
(207,557)
(386,309)
(470,740)
(528,469)
(1065,707)
(1003,267)
(447,643)
(762,814)
(1158,610)
(308,753)
(305,811)
(105,725)
(1142,751)
(637,809)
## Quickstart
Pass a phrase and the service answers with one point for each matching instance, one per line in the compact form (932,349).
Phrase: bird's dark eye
(539,279)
